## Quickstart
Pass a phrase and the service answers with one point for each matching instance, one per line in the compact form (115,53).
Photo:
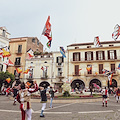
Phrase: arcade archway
(95,81)
(44,84)
(79,84)
(114,83)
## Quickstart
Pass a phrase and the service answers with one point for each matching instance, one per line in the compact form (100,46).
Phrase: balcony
(29,77)
(18,52)
(94,60)
(59,64)
(44,78)
(17,64)
(76,74)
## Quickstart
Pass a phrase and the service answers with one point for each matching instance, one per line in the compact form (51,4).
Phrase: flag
(1,51)
(30,53)
(110,78)
(116,32)
(26,71)
(97,41)
(19,70)
(118,67)
(96,73)
(8,62)
(42,68)
(5,52)
(49,43)
(106,72)
(47,29)
(89,68)
(62,51)
(8,80)
(80,69)
(67,81)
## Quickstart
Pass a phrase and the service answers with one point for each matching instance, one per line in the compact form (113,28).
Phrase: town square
(59,60)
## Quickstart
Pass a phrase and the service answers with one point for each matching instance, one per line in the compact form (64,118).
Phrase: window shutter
(108,55)
(56,59)
(91,55)
(73,56)
(115,54)
(79,57)
(85,55)
(62,59)
(76,69)
(96,55)
(103,53)
(100,68)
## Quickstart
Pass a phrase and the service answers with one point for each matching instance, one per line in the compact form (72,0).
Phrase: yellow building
(18,49)
(83,55)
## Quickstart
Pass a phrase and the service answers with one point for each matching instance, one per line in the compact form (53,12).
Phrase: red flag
(47,29)
(19,70)
(8,80)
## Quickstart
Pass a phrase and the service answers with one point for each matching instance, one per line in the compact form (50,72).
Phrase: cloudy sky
(73,21)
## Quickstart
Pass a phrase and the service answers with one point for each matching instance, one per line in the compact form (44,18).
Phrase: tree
(4,76)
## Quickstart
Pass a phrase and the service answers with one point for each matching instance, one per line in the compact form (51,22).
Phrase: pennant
(118,67)
(19,70)
(110,78)
(30,53)
(8,62)
(80,69)
(116,32)
(49,44)
(96,73)
(62,51)
(47,29)
(26,71)
(5,52)
(42,68)
(89,68)
(8,80)
(97,41)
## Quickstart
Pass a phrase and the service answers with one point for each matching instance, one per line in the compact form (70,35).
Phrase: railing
(76,74)
(17,64)
(94,59)
(18,52)
(59,65)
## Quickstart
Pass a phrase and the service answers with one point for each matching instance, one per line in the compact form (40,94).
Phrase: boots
(41,114)
(103,105)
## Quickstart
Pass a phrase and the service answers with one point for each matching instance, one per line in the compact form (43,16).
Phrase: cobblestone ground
(63,111)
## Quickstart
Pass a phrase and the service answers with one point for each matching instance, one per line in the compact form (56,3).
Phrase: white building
(4,41)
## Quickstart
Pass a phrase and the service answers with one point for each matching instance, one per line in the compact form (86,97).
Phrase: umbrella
(96,86)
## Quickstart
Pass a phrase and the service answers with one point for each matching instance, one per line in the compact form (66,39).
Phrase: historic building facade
(4,42)
(47,69)
(82,55)
(18,49)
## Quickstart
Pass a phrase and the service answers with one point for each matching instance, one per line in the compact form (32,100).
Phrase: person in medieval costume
(105,95)
(23,98)
(15,91)
(118,94)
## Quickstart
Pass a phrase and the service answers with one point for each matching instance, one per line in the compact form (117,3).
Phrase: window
(4,32)
(89,71)
(88,55)
(76,69)
(30,73)
(45,72)
(113,68)
(1,67)
(19,48)
(76,47)
(33,40)
(88,46)
(37,42)
(76,56)
(100,55)
(17,61)
(100,68)
(59,71)
(112,54)
(17,75)
(59,59)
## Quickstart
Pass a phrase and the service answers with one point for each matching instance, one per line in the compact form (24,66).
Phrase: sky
(73,21)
